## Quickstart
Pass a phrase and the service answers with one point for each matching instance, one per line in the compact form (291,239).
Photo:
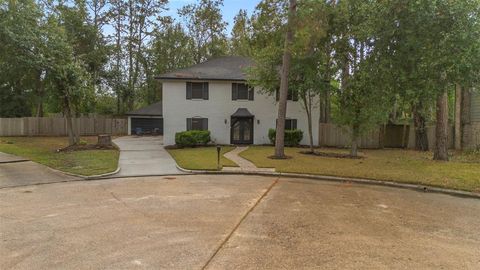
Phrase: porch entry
(241,127)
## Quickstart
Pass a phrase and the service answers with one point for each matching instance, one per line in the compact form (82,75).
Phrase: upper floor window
(292,95)
(241,91)
(197,90)
(197,123)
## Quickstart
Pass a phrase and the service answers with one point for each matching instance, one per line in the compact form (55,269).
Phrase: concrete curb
(14,161)
(422,188)
(137,176)
(87,177)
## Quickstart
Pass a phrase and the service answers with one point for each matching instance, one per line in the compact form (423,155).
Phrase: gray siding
(475,107)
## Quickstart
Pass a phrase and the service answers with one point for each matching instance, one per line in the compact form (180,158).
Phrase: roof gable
(228,68)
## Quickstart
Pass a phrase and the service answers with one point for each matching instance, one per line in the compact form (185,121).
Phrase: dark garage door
(148,125)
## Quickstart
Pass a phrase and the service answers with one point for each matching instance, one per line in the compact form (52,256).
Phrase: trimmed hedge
(192,138)
(292,137)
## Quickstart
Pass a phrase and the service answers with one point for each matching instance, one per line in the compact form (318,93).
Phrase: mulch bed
(274,157)
(84,147)
(331,155)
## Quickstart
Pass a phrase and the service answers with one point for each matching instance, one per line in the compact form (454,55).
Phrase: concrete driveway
(17,171)
(234,222)
(144,155)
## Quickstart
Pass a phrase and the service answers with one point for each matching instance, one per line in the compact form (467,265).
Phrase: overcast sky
(229,10)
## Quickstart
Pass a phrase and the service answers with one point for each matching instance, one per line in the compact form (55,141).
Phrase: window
(290,124)
(242,91)
(197,90)
(197,123)
(292,95)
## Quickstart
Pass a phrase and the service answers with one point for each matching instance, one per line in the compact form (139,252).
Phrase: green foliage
(192,138)
(428,46)
(21,55)
(377,55)
(206,27)
(268,26)
(240,42)
(292,137)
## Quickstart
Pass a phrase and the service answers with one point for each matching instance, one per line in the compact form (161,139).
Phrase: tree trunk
(72,140)
(118,40)
(131,26)
(355,137)
(307,100)
(404,136)
(458,117)
(40,88)
(310,131)
(76,128)
(421,138)
(441,128)
(282,103)
(325,107)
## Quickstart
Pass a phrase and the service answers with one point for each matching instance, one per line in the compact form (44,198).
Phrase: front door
(241,131)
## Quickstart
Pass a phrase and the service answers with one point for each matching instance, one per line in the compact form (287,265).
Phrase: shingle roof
(151,110)
(222,68)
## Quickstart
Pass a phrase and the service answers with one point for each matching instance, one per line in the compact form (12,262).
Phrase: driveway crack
(224,242)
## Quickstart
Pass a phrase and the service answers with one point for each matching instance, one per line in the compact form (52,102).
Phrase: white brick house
(213,95)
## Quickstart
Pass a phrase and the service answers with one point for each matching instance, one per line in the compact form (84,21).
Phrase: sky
(229,10)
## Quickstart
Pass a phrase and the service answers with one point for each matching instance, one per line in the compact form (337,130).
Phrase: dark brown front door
(241,130)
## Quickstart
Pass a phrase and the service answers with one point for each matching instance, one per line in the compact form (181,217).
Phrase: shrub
(292,137)
(192,138)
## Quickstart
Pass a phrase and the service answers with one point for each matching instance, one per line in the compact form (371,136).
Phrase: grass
(43,150)
(461,172)
(201,158)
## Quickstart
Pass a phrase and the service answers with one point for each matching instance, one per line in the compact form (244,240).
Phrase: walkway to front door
(243,164)
(241,131)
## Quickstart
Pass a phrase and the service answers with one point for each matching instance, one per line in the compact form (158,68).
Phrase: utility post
(219,149)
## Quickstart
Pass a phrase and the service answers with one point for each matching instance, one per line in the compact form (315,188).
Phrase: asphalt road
(234,222)
(17,171)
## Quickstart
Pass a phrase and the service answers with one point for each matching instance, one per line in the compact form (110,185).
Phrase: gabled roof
(151,110)
(228,68)
(242,112)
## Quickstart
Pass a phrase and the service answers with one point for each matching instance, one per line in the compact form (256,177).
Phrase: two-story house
(214,96)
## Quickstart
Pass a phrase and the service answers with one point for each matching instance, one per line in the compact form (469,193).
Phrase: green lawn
(201,158)
(43,150)
(462,172)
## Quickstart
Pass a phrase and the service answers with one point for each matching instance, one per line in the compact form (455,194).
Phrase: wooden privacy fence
(332,135)
(57,126)
(390,136)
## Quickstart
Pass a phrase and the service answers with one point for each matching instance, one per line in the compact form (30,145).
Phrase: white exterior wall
(219,108)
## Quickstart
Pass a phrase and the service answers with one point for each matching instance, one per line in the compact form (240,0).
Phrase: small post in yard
(219,148)
(104,140)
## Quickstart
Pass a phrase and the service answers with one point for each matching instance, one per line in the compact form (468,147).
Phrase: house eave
(162,79)
(139,115)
